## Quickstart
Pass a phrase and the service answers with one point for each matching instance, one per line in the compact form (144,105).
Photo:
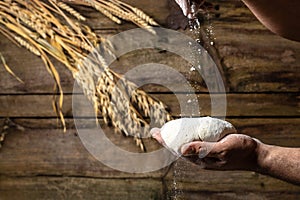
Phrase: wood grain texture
(62,154)
(261,75)
(22,188)
(277,131)
(259,63)
(37,80)
(253,58)
(237,195)
(237,105)
(84,188)
(190,177)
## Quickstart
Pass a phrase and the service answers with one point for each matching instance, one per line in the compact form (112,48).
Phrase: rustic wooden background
(261,74)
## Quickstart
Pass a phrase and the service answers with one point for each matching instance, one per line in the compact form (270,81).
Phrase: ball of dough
(177,132)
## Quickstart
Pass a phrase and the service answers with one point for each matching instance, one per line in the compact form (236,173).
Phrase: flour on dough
(175,133)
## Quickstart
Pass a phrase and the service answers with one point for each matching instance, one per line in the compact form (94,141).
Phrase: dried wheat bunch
(117,10)
(52,28)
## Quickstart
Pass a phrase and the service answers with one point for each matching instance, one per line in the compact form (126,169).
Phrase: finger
(202,149)
(183,5)
(191,148)
(210,163)
(213,163)
(196,160)
(155,133)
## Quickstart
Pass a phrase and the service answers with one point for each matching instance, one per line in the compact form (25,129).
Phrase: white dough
(175,133)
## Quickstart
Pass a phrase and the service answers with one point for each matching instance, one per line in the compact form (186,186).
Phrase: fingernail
(203,152)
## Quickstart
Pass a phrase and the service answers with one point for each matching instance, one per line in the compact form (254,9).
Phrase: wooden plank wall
(261,74)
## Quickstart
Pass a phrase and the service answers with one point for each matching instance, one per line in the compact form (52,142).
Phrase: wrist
(262,155)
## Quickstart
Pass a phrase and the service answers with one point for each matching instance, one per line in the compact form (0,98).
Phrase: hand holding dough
(178,132)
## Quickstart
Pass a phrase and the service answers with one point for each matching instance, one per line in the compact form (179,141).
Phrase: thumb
(156,134)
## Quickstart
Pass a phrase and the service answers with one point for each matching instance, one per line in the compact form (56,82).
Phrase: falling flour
(175,133)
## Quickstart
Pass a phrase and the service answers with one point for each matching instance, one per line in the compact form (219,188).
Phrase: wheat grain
(28,46)
(71,10)
(108,14)
(144,16)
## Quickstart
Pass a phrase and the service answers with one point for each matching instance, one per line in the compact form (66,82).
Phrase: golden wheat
(27,45)
(108,14)
(145,17)
(44,28)
(71,10)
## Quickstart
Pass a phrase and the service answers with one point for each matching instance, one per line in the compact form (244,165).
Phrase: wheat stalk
(44,28)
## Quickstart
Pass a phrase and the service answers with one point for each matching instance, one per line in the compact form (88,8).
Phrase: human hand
(233,152)
(241,152)
(186,7)
(183,4)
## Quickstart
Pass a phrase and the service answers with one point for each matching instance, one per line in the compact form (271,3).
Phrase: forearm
(280,16)
(279,162)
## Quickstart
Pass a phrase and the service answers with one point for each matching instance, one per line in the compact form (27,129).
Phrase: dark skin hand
(234,152)
(241,152)
(280,16)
